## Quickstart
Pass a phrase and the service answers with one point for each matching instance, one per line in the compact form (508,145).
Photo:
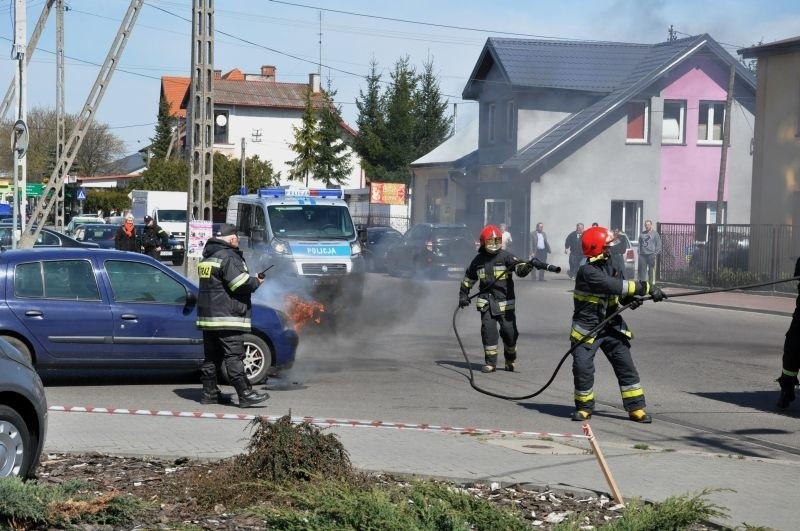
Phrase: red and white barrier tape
(321,422)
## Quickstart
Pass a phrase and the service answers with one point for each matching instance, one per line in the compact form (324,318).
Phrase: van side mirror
(257,235)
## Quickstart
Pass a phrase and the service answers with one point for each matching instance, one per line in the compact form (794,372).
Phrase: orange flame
(301,312)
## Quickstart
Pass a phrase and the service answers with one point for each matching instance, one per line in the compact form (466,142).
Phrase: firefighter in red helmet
(493,267)
(599,288)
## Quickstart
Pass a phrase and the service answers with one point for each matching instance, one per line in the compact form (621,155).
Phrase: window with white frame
(221,127)
(511,120)
(711,116)
(673,122)
(490,118)
(638,122)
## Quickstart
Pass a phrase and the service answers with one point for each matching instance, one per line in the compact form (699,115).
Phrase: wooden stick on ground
(587,430)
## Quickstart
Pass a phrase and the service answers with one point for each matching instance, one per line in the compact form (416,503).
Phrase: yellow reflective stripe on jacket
(789,373)
(631,391)
(503,305)
(593,299)
(500,272)
(467,282)
(578,336)
(238,281)
(628,288)
(226,321)
(205,267)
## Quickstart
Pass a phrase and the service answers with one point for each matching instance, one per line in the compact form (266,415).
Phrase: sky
(284,34)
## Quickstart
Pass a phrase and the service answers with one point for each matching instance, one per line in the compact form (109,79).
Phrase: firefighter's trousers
(507,323)
(617,350)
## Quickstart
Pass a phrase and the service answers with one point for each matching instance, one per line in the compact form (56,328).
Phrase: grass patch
(641,446)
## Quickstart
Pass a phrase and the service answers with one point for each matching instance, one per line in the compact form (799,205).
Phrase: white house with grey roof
(604,132)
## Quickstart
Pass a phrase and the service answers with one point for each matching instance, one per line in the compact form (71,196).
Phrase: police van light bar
(300,192)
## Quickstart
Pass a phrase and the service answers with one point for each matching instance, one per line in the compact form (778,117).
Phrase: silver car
(23,414)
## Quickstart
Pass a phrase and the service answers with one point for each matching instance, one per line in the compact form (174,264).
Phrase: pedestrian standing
(223,314)
(596,296)
(126,238)
(649,249)
(541,248)
(791,353)
(494,267)
(572,247)
(154,238)
(507,240)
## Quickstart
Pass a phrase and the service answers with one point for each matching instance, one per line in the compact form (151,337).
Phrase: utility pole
(319,66)
(723,164)
(672,35)
(243,187)
(60,111)
(20,181)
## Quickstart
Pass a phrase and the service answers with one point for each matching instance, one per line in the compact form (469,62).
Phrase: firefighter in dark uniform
(223,314)
(791,353)
(599,288)
(496,305)
(154,238)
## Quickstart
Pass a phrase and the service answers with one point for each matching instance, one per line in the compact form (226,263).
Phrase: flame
(301,312)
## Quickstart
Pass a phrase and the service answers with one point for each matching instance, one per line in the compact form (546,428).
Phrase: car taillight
(629,254)
(429,245)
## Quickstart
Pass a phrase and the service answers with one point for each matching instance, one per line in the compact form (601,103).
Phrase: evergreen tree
(333,159)
(398,104)
(159,144)
(371,125)
(306,138)
(165,174)
(432,125)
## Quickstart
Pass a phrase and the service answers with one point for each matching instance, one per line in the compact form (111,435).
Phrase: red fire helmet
(491,238)
(594,239)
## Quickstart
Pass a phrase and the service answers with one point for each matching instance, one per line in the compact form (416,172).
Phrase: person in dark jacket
(126,238)
(223,314)
(154,238)
(597,293)
(791,353)
(572,247)
(496,300)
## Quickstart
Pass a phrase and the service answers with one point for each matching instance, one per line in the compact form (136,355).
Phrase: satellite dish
(222,120)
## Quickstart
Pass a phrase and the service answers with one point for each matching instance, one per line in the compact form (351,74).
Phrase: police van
(307,236)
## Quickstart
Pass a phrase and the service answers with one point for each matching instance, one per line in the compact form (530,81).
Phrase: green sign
(34,190)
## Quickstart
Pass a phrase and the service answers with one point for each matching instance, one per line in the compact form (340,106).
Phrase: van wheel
(257,360)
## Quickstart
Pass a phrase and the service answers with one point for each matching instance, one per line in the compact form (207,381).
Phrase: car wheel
(257,360)
(177,261)
(19,345)
(16,445)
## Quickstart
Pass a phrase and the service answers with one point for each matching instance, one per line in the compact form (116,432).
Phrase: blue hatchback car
(98,308)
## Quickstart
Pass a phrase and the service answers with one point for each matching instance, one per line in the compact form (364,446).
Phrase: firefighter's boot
(581,415)
(639,415)
(787,395)
(511,359)
(490,363)
(214,396)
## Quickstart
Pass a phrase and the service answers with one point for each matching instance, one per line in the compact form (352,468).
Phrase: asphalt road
(708,373)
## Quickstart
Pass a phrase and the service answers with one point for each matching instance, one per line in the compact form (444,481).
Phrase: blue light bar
(301,192)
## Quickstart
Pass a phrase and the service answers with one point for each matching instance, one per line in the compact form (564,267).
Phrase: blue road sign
(81,194)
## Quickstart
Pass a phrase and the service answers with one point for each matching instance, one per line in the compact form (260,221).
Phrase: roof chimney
(217,74)
(314,83)
(268,72)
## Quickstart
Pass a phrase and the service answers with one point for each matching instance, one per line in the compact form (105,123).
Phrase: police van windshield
(172,215)
(311,221)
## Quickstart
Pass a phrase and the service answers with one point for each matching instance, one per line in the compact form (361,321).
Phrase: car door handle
(33,313)
(129,317)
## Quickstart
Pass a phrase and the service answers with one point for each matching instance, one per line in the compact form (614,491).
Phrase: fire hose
(634,303)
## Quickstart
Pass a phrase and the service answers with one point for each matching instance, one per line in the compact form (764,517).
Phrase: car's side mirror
(191,300)
(257,234)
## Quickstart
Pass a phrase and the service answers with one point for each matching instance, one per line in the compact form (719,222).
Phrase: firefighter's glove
(523,269)
(657,294)
(463,301)
(635,302)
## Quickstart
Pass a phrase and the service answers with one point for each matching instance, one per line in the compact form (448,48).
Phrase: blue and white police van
(307,236)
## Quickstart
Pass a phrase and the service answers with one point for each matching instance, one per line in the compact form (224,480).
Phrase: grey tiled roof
(615,72)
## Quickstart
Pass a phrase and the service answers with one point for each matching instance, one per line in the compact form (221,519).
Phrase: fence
(726,255)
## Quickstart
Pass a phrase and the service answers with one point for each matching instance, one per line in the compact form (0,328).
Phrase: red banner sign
(387,193)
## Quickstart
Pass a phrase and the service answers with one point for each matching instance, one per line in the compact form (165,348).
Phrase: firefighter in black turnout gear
(223,314)
(496,305)
(791,353)
(599,288)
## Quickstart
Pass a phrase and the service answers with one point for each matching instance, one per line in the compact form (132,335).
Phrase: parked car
(100,233)
(69,230)
(47,238)
(377,241)
(432,249)
(100,308)
(23,413)
(175,253)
